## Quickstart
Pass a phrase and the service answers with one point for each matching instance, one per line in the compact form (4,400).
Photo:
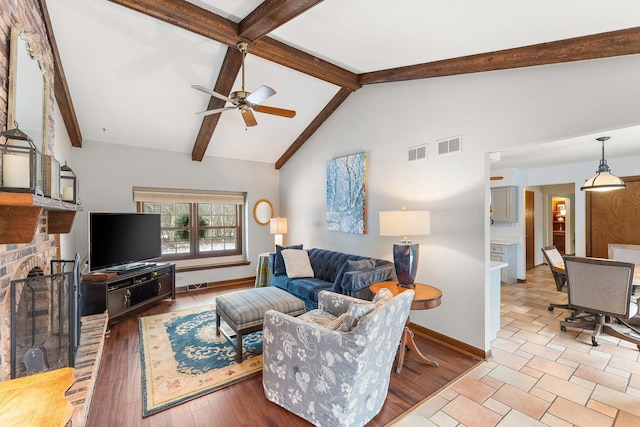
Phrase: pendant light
(604,180)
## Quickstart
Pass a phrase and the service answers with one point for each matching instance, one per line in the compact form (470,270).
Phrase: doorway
(530,238)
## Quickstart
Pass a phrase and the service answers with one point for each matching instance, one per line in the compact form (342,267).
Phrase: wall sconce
(69,184)
(21,163)
(278,226)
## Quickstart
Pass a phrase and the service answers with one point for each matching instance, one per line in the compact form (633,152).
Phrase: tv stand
(120,269)
(130,292)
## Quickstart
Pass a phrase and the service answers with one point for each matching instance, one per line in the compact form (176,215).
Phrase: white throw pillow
(296,262)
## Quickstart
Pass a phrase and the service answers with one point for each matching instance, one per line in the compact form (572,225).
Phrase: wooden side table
(425,297)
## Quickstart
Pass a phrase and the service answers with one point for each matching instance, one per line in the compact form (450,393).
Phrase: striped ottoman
(244,311)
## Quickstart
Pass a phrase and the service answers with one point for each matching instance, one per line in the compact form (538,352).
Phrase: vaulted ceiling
(125,67)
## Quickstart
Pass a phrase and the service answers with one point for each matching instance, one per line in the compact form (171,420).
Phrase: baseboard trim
(239,282)
(450,342)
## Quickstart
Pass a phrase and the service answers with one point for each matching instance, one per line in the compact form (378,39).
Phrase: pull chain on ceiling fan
(246,102)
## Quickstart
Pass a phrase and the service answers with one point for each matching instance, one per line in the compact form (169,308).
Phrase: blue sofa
(333,271)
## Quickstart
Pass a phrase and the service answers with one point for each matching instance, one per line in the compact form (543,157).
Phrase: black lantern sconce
(69,185)
(21,163)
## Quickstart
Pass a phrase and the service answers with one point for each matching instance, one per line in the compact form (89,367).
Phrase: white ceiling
(130,75)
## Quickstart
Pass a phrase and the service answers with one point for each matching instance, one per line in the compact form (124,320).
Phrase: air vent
(197,286)
(417,153)
(450,145)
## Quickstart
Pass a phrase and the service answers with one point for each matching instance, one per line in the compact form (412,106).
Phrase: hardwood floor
(117,398)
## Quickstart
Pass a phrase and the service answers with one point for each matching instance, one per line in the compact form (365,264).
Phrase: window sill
(184,269)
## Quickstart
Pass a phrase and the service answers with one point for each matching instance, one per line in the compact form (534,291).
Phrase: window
(195,224)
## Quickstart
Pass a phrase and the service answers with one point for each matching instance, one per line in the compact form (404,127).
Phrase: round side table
(425,297)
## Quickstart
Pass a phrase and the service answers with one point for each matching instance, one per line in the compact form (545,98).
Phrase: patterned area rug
(182,358)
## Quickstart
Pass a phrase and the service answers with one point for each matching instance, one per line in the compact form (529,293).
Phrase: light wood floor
(117,399)
(538,375)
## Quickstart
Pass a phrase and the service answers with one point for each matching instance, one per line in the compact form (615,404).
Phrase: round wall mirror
(263,211)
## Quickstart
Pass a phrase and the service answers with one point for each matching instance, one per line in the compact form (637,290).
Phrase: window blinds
(175,195)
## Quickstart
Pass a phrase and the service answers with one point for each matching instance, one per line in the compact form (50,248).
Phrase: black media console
(129,292)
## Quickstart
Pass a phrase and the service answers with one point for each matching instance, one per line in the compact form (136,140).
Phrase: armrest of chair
(356,283)
(335,303)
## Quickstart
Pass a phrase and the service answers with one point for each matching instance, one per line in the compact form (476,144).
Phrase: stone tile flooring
(538,375)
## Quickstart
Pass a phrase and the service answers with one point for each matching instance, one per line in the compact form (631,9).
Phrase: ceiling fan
(246,102)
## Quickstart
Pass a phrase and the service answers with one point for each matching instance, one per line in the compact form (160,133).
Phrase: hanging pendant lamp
(604,180)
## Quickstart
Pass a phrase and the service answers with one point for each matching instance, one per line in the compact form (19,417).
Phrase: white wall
(492,111)
(107,173)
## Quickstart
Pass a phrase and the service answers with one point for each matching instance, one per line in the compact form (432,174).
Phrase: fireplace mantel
(19,213)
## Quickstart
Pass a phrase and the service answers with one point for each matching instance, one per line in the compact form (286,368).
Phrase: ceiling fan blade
(212,93)
(215,111)
(275,111)
(260,94)
(249,118)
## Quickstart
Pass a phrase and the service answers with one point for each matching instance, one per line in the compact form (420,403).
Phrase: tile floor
(538,375)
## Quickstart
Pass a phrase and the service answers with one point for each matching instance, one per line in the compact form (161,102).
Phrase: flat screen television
(123,241)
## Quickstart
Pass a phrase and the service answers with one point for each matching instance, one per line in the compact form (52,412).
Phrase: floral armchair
(332,366)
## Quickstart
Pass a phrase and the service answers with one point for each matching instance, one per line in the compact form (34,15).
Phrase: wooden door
(530,241)
(613,217)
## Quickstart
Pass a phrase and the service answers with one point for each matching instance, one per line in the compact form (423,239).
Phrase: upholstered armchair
(332,366)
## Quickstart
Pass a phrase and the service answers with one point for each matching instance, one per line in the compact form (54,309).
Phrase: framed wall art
(346,194)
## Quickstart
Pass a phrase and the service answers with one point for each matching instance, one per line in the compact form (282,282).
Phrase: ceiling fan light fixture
(603,180)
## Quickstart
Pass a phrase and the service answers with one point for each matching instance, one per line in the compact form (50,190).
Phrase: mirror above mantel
(28,87)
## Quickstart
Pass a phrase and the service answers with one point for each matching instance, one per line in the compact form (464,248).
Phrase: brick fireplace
(16,261)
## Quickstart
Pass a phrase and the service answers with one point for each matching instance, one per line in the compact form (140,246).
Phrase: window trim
(143,195)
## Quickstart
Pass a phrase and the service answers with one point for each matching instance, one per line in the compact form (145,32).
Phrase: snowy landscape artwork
(346,192)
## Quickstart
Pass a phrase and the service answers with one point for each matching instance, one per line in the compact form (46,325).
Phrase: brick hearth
(87,364)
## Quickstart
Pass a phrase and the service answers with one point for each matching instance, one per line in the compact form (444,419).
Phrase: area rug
(182,358)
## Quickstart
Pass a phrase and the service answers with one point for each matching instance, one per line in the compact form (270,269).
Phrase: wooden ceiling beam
(195,19)
(603,45)
(271,14)
(227,76)
(326,112)
(60,87)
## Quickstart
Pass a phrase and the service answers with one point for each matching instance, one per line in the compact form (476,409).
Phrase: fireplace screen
(45,320)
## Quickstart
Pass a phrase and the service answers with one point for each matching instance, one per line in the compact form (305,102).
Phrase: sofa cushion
(307,288)
(278,265)
(297,263)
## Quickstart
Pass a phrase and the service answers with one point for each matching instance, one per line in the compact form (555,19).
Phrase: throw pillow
(297,263)
(336,323)
(355,312)
(381,297)
(278,267)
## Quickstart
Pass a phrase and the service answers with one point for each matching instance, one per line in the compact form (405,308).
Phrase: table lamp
(278,226)
(405,254)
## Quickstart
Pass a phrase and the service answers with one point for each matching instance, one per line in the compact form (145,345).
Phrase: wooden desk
(37,400)
(425,297)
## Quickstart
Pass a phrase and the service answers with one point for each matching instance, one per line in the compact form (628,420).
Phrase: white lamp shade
(405,223)
(278,225)
(603,181)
